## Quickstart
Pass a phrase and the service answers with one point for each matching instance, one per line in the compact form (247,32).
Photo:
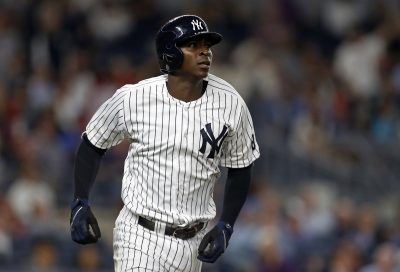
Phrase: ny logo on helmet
(197,25)
(215,143)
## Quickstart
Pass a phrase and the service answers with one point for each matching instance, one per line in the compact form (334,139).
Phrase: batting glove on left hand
(84,226)
(215,242)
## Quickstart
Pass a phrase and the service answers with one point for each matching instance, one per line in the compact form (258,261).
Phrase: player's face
(197,58)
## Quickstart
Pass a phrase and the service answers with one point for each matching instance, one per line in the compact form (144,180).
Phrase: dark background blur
(321,79)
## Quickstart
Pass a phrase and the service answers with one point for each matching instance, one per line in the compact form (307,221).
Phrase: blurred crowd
(321,78)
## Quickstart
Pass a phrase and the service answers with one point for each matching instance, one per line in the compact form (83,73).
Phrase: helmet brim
(212,37)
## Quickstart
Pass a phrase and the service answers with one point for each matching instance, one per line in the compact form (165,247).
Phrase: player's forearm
(87,164)
(236,190)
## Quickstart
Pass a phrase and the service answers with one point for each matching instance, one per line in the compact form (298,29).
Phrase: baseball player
(182,126)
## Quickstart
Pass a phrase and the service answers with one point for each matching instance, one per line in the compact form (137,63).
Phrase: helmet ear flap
(169,55)
(165,62)
(170,62)
(167,58)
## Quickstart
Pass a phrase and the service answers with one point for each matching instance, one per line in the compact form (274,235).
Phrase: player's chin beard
(196,73)
(204,72)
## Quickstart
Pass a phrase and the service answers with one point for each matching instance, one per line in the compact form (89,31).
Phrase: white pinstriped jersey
(176,147)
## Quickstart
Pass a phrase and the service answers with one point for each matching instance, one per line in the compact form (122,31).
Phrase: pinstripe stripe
(166,154)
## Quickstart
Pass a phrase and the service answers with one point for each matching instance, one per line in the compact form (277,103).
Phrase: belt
(183,233)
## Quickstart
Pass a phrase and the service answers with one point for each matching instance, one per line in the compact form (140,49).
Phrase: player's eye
(192,44)
(197,43)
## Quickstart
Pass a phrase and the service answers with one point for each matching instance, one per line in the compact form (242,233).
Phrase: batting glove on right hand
(215,242)
(84,227)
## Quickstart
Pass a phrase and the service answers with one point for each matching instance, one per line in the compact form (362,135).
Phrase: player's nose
(204,47)
(205,50)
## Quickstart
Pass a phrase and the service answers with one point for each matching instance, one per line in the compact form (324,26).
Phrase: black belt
(177,232)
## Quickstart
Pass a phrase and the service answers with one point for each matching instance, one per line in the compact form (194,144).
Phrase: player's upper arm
(241,149)
(107,126)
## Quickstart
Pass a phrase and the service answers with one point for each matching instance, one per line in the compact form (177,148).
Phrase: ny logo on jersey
(197,25)
(208,137)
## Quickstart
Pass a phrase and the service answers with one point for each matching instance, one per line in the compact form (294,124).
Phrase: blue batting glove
(215,242)
(84,226)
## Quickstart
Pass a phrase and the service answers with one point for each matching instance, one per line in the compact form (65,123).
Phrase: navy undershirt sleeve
(87,163)
(236,190)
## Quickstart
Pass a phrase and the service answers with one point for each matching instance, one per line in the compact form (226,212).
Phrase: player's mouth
(204,64)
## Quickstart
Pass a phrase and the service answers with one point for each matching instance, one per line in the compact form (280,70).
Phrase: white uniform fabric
(176,147)
(139,249)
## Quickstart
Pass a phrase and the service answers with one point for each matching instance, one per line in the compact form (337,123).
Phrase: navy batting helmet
(176,31)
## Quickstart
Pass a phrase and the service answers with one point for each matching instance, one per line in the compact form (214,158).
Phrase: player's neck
(185,89)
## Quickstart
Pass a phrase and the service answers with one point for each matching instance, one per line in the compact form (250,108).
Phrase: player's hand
(215,242)
(84,227)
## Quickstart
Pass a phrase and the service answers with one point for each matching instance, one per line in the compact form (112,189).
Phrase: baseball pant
(138,249)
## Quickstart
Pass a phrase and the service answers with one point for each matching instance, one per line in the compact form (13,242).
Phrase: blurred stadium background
(321,78)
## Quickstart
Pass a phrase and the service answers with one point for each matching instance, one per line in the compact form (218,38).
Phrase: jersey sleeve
(107,128)
(241,148)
